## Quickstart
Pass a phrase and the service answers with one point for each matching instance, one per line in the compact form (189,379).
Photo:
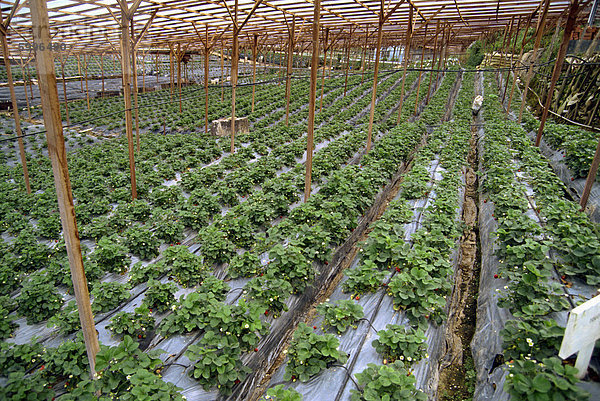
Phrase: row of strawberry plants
(530,254)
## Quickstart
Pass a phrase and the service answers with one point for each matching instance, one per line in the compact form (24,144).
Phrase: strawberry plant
(245,265)
(189,314)
(167,226)
(548,379)
(401,343)
(362,279)
(290,264)
(309,353)
(68,360)
(387,382)
(160,296)
(280,393)
(19,357)
(341,315)
(125,372)
(524,338)
(111,255)
(31,387)
(141,242)
(183,266)
(67,320)
(39,300)
(7,326)
(136,324)
(270,292)
(109,295)
(215,246)
(216,362)
(142,273)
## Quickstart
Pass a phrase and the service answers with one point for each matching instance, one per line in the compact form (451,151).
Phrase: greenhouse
(340,200)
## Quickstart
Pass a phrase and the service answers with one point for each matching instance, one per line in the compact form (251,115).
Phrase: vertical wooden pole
(421,70)
(312,97)
(157,67)
(15,107)
(512,52)
(222,72)
(126,69)
(206,65)
(437,31)
(135,94)
(560,59)
(591,177)
(505,49)
(375,77)
(288,77)
(405,60)
(102,71)
(178,56)
(58,157)
(515,74)
(362,58)
(254,51)
(25,79)
(171,68)
(143,74)
(64,83)
(234,73)
(325,48)
(79,72)
(87,92)
(347,64)
(538,39)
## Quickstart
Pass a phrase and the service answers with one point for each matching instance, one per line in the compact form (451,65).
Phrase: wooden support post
(25,79)
(64,83)
(178,56)
(135,94)
(222,73)
(206,71)
(324,66)
(15,107)
(437,31)
(79,72)
(362,58)
(512,52)
(143,74)
(102,71)
(254,51)
(171,72)
(515,74)
(406,59)
(58,157)
(87,92)
(591,177)
(234,72)
(505,49)
(560,59)
(375,78)
(311,99)
(157,67)
(538,40)
(126,68)
(421,71)
(288,76)
(347,63)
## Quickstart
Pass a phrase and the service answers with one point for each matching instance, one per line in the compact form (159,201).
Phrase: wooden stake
(102,72)
(206,65)
(79,72)
(15,107)
(126,68)
(62,72)
(375,77)
(347,63)
(538,40)
(515,74)
(324,66)
(311,99)
(437,31)
(178,55)
(362,58)
(591,177)
(504,50)
(135,95)
(157,67)
(560,59)
(406,60)
(222,73)
(421,70)
(254,51)
(87,92)
(290,55)
(512,52)
(58,157)
(25,79)
(171,68)
(234,72)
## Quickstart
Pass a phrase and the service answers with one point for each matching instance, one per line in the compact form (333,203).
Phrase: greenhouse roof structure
(91,25)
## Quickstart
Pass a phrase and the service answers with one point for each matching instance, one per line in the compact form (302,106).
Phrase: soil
(457,375)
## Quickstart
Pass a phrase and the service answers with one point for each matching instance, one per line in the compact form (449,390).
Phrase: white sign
(583,329)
